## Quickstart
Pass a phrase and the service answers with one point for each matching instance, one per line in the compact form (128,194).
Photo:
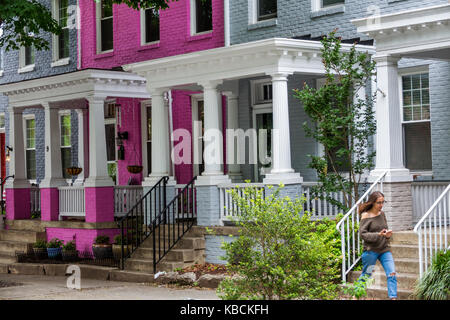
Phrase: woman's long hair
(366,206)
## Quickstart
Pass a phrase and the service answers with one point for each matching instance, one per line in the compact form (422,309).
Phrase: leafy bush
(435,283)
(40,244)
(280,252)
(118,240)
(54,243)
(358,289)
(102,240)
(69,246)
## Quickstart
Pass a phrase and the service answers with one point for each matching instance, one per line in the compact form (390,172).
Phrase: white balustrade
(424,194)
(35,199)
(320,208)
(125,197)
(433,230)
(71,202)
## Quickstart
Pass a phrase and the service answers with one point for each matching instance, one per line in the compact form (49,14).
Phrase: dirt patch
(206,268)
(6,284)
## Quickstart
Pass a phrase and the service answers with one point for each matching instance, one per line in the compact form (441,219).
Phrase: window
(110,134)
(30,148)
(323,4)
(416,121)
(151,26)
(62,40)
(2,122)
(267,9)
(149,138)
(263,93)
(201,16)
(66,144)
(104,25)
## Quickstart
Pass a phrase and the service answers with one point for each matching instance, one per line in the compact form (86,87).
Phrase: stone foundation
(398,208)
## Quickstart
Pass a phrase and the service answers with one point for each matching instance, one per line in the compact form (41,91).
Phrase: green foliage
(280,253)
(102,240)
(54,243)
(118,239)
(69,246)
(40,244)
(341,120)
(435,283)
(36,215)
(359,288)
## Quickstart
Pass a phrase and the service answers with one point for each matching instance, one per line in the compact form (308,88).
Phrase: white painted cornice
(75,85)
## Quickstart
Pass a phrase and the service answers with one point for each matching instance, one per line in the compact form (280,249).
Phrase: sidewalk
(39,287)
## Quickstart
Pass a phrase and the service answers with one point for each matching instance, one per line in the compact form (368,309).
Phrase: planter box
(40,253)
(54,253)
(102,251)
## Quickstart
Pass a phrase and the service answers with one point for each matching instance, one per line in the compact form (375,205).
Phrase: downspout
(226,13)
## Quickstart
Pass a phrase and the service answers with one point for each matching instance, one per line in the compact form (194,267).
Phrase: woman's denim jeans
(369,259)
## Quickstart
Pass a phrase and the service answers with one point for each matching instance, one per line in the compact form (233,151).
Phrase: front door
(264,126)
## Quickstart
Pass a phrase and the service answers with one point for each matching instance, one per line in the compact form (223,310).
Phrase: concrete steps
(21,235)
(14,240)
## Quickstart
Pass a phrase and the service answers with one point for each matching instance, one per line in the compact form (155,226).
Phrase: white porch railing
(35,199)
(433,229)
(321,208)
(71,202)
(125,197)
(348,227)
(424,194)
(228,208)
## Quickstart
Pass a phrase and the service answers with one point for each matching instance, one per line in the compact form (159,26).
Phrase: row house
(130,79)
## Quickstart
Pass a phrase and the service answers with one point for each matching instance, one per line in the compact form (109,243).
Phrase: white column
(83,160)
(53,167)
(389,143)
(16,141)
(160,137)
(281,146)
(234,169)
(213,137)
(98,170)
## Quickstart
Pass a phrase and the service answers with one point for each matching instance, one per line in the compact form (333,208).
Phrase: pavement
(43,287)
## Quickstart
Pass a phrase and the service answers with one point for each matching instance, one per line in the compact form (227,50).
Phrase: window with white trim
(66,144)
(262,92)
(110,135)
(201,16)
(61,41)
(30,147)
(104,26)
(415,97)
(325,4)
(150,26)
(2,122)
(266,9)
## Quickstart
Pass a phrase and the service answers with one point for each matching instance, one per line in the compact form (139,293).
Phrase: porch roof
(75,85)
(263,57)
(419,33)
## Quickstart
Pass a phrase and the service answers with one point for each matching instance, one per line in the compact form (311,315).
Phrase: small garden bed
(206,268)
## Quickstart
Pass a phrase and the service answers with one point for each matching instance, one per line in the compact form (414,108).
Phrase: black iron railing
(137,225)
(173,222)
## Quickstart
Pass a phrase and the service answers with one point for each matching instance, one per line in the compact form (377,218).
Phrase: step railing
(432,230)
(173,222)
(137,225)
(349,229)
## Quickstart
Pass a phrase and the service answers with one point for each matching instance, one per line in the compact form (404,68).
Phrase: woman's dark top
(369,229)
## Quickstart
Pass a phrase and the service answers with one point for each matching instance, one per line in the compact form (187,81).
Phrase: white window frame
(193,21)
(113,121)
(25,118)
(407,72)
(197,152)
(23,68)
(316,5)
(98,20)
(257,86)
(144,105)
(56,61)
(255,12)
(62,113)
(143,29)
(2,129)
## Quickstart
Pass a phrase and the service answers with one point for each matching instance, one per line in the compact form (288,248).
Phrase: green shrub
(118,239)
(54,243)
(40,244)
(280,252)
(69,246)
(435,282)
(102,240)
(358,289)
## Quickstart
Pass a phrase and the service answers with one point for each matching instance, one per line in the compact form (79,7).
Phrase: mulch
(206,268)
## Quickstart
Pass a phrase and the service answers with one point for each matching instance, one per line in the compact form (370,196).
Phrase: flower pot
(102,251)
(54,253)
(117,251)
(69,255)
(40,253)
(134,169)
(73,171)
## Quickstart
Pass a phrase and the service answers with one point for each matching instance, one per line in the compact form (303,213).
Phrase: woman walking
(375,233)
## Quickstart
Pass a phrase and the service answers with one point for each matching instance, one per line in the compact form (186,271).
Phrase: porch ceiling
(74,86)
(264,57)
(420,33)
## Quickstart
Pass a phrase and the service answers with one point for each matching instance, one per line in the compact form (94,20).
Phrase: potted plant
(40,249)
(102,248)
(54,248)
(134,169)
(117,247)
(69,251)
